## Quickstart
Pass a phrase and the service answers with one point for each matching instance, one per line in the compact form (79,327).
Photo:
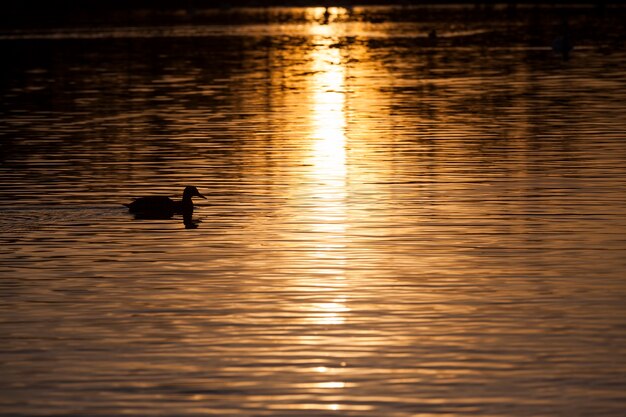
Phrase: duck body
(160,207)
(155,206)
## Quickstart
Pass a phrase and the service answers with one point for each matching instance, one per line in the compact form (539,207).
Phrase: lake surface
(396,225)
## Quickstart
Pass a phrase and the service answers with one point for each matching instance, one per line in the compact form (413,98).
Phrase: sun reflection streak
(324,199)
(327,173)
(328,153)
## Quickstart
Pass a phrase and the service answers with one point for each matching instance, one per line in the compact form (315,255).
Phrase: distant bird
(326,17)
(432,37)
(562,44)
(159,207)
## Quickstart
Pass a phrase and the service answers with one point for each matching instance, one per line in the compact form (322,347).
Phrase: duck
(160,207)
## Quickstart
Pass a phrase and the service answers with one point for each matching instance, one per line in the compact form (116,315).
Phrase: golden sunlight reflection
(326,177)
(332,384)
(317,211)
(325,173)
(330,313)
(327,156)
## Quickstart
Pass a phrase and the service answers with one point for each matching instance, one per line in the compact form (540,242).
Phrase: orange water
(390,230)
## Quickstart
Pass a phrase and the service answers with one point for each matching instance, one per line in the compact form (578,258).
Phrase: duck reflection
(189,222)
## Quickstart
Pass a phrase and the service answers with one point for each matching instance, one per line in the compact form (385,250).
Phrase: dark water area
(404,217)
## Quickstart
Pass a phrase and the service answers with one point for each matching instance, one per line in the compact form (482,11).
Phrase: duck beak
(200,195)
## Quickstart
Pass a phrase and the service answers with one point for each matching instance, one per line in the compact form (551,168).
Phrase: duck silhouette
(160,207)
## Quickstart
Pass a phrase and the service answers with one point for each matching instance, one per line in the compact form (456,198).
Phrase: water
(394,227)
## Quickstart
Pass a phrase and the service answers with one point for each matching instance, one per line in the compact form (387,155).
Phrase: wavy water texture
(392,229)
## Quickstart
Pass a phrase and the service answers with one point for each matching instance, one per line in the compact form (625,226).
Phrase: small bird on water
(159,207)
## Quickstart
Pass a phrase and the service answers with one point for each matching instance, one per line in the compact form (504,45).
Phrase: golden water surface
(392,228)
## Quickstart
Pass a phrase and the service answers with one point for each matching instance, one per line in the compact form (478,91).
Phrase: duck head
(192,191)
